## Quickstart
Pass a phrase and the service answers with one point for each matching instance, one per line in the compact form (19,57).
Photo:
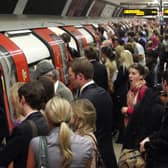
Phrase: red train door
(82,42)
(57,49)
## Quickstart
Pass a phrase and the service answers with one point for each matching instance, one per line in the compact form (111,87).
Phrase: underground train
(25,40)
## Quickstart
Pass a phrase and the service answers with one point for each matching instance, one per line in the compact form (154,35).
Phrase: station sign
(140,12)
(165,11)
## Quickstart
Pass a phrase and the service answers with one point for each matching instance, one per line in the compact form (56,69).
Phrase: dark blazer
(17,146)
(103,104)
(145,120)
(157,148)
(100,74)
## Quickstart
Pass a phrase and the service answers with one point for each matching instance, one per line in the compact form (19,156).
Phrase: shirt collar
(29,115)
(86,84)
(56,86)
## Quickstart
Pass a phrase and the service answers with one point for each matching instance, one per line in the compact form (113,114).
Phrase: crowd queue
(119,88)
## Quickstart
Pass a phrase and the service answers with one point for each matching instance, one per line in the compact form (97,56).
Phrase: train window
(8,65)
(17,33)
(87,35)
(61,45)
(32,47)
(4,132)
(8,77)
(58,31)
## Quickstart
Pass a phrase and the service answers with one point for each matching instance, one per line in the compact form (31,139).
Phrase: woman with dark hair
(111,65)
(137,74)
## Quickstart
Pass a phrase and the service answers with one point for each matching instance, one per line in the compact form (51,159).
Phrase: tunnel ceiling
(74,7)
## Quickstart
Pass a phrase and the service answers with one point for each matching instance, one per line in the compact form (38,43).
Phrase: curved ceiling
(104,8)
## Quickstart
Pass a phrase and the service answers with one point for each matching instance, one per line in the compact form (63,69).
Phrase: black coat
(145,120)
(100,74)
(17,146)
(157,148)
(103,104)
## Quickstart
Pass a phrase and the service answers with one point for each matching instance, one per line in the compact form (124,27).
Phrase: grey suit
(63,91)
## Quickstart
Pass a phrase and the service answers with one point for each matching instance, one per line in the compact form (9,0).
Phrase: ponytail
(65,144)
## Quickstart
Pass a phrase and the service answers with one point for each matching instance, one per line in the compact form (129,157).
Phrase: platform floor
(117,149)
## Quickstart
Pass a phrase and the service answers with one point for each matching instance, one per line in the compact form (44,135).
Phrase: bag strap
(98,154)
(93,138)
(33,127)
(43,153)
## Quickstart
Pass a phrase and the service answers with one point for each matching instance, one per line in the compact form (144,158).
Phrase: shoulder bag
(99,160)
(43,153)
(131,158)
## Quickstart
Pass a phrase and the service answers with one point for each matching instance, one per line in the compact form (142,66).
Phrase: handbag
(131,158)
(43,153)
(99,160)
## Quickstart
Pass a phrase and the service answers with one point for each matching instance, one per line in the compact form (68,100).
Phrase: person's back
(103,104)
(64,147)
(100,72)
(80,146)
(81,76)
(32,99)
(27,134)
(85,126)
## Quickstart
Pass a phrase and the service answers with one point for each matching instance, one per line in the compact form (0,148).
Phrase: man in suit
(100,72)
(81,76)
(156,144)
(46,68)
(31,100)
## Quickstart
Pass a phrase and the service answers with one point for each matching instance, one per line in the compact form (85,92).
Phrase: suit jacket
(100,74)
(64,92)
(103,104)
(17,146)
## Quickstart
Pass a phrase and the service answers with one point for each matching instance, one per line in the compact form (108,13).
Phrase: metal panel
(31,46)
(88,36)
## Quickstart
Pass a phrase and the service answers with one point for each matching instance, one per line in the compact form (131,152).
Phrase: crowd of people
(114,90)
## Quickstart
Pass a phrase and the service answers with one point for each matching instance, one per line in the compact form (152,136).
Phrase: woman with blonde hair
(84,117)
(65,149)
(14,97)
(84,122)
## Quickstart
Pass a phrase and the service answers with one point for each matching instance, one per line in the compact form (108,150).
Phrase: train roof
(15,22)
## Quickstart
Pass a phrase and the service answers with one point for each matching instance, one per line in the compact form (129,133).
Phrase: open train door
(92,30)
(78,36)
(5,115)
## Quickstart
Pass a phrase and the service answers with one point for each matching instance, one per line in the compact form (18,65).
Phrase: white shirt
(85,85)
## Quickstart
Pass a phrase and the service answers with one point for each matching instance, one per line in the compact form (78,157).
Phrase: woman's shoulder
(78,139)
(34,141)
